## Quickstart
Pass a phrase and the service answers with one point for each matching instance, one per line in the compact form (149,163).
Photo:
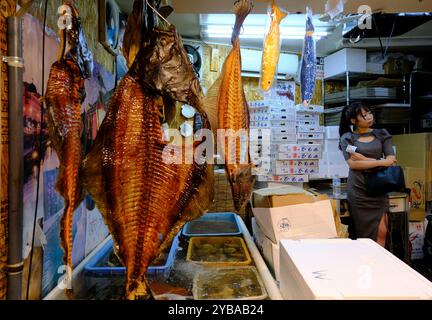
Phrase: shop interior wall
(251,84)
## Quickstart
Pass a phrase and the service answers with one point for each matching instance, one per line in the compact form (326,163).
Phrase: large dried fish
(145,200)
(227,107)
(308,62)
(64,95)
(270,57)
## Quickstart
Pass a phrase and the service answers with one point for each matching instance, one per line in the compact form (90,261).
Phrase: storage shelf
(361,76)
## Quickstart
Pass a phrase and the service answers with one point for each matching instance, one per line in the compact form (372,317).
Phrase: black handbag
(385,180)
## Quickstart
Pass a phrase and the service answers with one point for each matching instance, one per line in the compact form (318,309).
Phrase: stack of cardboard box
(289,212)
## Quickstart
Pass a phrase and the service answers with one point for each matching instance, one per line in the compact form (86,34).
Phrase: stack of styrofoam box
(296,141)
(279,116)
(333,163)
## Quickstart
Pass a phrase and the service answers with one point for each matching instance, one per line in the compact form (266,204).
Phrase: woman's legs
(382,231)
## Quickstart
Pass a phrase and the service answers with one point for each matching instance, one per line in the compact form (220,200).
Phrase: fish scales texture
(308,66)
(63,97)
(143,200)
(270,57)
(233,114)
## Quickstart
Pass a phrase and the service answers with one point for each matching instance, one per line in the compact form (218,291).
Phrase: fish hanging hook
(158,13)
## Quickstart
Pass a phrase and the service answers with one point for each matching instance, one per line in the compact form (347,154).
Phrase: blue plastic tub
(213,224)
(94,268)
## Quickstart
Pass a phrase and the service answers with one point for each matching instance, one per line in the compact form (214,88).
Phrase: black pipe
(16,159)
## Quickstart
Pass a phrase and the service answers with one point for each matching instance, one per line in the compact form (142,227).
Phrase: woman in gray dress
(365,148)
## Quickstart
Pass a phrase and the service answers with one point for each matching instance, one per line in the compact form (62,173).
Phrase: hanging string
(40,152)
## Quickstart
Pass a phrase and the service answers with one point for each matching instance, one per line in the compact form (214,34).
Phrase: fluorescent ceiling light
(256,32)
(255,26)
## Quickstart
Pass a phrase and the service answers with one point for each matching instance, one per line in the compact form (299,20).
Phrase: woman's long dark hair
(349,113)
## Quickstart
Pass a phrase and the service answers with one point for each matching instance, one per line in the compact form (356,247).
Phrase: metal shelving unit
(393,109)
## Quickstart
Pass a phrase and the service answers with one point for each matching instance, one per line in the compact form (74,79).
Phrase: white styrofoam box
(312,155)
(416,237)
(299,148)
(284,178)
(310,141)
(311,123)
(271,110)
(310,136)
(297,163)
(310,108)
(308,116)
(269,249)
(273,116)
(307,128)
(284,138)
(294,170)
(267,124)
(347,59)
(346,269)
(284,130)
(331,146)
(331,132)
(274,103)
(322,171)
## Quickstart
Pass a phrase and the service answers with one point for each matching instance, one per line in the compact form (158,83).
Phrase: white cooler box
(346,269)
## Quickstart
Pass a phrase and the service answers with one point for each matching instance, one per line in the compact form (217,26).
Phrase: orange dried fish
(64,95)
(145,200)
(227,107)
(270,57)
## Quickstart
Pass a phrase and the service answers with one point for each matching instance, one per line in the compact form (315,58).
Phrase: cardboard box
(415,180)
(415,151)
(352,60)
(279,197)
(300,221)
(269,249)
(347,270)
(416,238)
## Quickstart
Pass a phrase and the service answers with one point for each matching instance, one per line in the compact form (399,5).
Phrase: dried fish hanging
(308,61)
(144,199)
(271,47)
(227,107)
(64,95)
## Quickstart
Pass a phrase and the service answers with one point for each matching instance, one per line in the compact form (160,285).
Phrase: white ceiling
(189,26)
